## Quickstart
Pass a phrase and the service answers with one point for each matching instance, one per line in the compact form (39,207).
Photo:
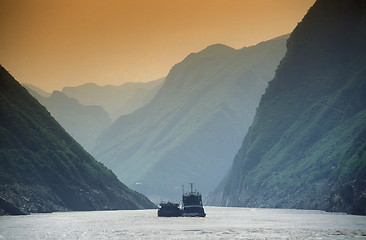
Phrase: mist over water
(220,223)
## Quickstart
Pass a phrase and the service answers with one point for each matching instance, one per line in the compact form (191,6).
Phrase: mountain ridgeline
(42,169)
(115,100)
(306,147)
(86,111)
(193,127)
(35,90)
(84,123)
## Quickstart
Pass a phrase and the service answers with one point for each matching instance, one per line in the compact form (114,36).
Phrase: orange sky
(57,43)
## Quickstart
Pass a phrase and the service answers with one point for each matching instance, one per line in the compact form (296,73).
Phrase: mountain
(42,169)
(116,100)
(306,147)
(83,123)
(193,127)
(36,90)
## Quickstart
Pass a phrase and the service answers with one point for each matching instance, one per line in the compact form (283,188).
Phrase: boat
(192,204)
(169,209)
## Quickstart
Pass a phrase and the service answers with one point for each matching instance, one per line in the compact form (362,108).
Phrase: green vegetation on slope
(43,169)
(192,128)
(306,146)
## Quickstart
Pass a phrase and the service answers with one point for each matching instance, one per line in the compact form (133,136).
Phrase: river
(220,223)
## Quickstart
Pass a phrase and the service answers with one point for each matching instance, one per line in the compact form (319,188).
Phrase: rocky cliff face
(307,145)
(42,169)
(194,125)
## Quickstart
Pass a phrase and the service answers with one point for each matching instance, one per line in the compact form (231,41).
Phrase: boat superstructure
(192,204)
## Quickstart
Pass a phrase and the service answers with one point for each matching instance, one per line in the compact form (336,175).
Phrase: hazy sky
(57,43)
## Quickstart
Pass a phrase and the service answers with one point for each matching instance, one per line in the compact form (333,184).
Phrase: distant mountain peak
(85,85)
(214,50)
(218,48)
(57,93)
(116,100)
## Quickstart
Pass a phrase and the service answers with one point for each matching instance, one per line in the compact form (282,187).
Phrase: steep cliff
(42,169)
(306,147)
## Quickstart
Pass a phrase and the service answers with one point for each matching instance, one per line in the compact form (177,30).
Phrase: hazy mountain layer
(43,169)
(193,127)
(307,145)
(116,100)
(83,123)
(36,90)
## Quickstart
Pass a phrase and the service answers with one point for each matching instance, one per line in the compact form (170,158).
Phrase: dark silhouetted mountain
(116,100)
(36,90)
(42,169)
(193,127)
(306,147)
(83,123)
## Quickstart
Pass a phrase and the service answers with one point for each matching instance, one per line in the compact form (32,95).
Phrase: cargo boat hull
(169,210)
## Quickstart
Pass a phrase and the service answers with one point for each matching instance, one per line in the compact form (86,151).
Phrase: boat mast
(191,187)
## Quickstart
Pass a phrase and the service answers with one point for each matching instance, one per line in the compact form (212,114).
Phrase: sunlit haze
(57,43)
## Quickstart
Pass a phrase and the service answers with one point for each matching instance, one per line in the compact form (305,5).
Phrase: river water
(220,223)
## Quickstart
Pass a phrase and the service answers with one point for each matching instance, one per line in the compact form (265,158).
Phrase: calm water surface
(220,223)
